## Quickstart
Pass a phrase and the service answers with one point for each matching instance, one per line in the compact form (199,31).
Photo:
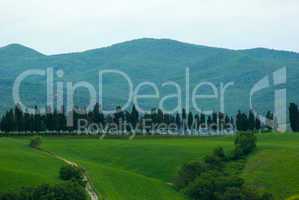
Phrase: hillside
(21,166)
(155,60)
(144,168)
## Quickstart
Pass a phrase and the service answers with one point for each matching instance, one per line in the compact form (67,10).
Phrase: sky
(61,26)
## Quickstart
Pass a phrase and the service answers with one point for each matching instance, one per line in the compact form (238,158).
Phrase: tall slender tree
(134,117)
(294,117)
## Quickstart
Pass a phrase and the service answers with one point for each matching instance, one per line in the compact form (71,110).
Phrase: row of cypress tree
(15,120)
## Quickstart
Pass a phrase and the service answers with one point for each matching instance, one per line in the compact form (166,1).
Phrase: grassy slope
(22,166)
(274,167)
(141,169)
(137,169)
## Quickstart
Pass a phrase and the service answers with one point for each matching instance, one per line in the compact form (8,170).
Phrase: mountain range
(157,61)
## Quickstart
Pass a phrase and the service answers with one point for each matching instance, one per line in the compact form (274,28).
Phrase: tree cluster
(252,122)
(71,189)
(65,191)
(210,179)
(35,142)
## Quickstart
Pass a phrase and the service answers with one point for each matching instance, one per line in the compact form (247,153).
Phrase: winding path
(89,188)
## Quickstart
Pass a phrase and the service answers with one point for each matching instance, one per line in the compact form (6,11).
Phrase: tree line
(15,120)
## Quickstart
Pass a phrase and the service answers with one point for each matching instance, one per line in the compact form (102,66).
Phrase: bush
(224,181)
(213,185)
(219,152)
(245,143)
(202,187)
(232,193)
(237,153)
(65,191)
(36,142)
(72,173)
(217,186)
(188,173)
(213,162)
(9,196)
(268,196)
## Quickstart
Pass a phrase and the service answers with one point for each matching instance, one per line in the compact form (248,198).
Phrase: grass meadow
(144,168)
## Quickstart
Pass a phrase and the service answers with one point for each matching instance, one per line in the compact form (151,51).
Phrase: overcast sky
(57,26)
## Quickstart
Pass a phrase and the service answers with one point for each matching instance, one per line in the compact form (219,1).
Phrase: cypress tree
(190,121)
(178,121)
(251,121)
(244,122)
(214,121)
(19,118)
(197,122)
(232,122)
(269,120)
(134,117)
(258,124)
(239,121)
(184,119)
(226,121)
(209,122)
(294,117)
(202,120)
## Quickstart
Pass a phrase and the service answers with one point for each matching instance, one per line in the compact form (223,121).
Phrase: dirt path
(89,188)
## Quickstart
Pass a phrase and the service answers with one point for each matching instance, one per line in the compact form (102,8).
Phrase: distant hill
(154,60)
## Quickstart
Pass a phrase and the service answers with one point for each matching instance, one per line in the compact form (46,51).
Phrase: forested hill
(155,60)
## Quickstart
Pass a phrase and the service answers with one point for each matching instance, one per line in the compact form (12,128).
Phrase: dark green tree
(294,117)
(190,121)
(251,121)
(134,117)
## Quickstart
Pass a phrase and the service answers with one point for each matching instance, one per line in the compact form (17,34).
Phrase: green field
(143,168)
(275,165)
(23,166)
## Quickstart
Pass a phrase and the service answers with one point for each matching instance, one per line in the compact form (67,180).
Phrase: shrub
(219,152)
(223,182)
(72,173)
(188,173)
(268,196)
(213,162)
(36,142)
(245,143)
(65,191)
(237,153)
(217,186)
(202,187)
(213,185)
(10,196)
(69,191)
(232,193)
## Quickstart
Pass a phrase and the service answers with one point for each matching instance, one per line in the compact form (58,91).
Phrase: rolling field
(137,169)
(144,168)
(274,167)
(22,166)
